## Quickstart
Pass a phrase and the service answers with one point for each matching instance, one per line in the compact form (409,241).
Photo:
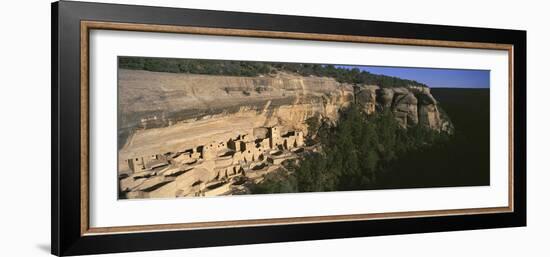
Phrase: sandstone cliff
(154,99)
(410,105)
(201,135)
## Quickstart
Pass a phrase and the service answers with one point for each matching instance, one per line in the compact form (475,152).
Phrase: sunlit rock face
(199,135)
(155,99)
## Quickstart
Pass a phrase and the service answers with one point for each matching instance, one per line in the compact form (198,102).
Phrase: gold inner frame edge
(87,26)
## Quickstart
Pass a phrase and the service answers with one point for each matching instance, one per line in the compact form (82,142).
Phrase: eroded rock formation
(411,106)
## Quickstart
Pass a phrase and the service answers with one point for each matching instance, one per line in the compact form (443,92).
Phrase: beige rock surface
(205,130)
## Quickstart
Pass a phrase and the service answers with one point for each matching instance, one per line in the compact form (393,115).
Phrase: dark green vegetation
(252,69)
(361,153)
(355,153)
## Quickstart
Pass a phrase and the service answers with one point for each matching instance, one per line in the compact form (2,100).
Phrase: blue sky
(433,77)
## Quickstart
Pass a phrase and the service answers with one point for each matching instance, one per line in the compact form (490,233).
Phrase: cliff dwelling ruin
(214,168)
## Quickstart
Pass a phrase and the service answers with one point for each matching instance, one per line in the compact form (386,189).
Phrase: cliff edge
(158,99)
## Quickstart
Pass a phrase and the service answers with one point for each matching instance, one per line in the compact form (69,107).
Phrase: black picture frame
(66,235)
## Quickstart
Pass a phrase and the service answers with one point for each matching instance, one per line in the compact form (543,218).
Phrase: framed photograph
(178,128)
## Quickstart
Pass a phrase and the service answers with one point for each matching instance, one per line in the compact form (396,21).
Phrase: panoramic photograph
(201,128)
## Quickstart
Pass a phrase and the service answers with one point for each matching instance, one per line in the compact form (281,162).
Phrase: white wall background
(25,127)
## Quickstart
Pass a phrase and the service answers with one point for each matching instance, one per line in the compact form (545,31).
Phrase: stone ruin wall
(192,171)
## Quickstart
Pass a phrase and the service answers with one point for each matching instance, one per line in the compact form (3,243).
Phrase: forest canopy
(252,69)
